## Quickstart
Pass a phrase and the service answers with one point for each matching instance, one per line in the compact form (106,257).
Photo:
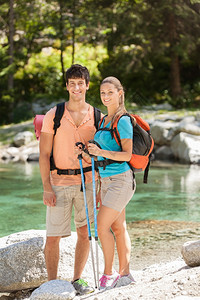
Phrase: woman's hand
(94,149)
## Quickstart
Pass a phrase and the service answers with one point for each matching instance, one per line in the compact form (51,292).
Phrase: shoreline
(159,241)
(155,244)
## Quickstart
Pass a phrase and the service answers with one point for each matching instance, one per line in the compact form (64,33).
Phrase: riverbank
(156,263)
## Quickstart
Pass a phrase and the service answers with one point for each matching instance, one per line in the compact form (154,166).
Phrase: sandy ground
(159,241)
(156,264)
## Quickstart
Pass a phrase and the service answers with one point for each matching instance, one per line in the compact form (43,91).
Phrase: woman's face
(109,95)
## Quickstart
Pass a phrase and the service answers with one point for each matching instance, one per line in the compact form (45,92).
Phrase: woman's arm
(124,155)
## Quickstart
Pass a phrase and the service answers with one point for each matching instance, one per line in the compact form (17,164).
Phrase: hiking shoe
(125,280)
(108,281)
(82,287)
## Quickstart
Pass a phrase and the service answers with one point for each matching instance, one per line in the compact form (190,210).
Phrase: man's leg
(81,251)
(51,252)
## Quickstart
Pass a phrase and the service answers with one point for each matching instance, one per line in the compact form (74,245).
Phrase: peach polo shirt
(63,147)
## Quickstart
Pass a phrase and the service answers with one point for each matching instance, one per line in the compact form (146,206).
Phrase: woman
(117,184)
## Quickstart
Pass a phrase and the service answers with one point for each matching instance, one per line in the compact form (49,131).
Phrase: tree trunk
(73,31)
(175,82)
(11,45)
(61,42)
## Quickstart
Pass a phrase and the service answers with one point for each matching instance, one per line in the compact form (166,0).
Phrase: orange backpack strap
(142,122)
(115,132)
(100,122)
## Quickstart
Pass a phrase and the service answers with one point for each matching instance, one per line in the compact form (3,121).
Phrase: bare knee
(118,230)
(52,241)
(82,233)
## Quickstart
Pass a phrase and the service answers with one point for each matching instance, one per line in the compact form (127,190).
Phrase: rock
(187,120)
(187,128)
(9,153)
(33,157)
(23,138)
(163,106)
(186,148)
(164,153)
(24,153)
(54,290)
(22,262)
(12,151)
(160,131)
(191,253)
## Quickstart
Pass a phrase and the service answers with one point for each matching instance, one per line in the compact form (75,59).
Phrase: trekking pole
(95,215)
(87,215)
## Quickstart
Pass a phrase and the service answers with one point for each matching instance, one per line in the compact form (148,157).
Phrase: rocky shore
(176,135)
(157,263)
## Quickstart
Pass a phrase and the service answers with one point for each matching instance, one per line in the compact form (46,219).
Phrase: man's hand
(49,198)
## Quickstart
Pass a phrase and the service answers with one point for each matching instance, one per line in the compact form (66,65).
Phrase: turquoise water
(172,193)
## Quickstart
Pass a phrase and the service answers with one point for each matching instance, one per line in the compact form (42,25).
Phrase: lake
(172,193)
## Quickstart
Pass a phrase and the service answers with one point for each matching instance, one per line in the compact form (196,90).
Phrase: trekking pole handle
(82,147)
(93,142)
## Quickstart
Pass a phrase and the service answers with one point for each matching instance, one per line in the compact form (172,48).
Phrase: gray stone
(186,148)
(54,290)
(191,253)
(188,128)
(33,157)
(164,153)
(23,138)
(160,132)
(187,120)
(22,262)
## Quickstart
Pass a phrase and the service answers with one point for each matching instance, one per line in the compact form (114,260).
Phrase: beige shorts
(117,190)
(58,218)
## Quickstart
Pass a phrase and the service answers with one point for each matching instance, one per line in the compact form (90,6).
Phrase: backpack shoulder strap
(142,123)
(116,134)
(60,107)
(100,122)
(97,116)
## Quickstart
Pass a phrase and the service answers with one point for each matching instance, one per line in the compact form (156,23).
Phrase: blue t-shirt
(106,142)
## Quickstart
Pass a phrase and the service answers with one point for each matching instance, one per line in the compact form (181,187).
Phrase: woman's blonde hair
(117,84)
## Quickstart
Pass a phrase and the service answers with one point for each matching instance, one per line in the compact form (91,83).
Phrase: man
(61,192)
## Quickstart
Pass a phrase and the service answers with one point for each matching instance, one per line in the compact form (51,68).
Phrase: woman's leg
(123,243)
(105,219)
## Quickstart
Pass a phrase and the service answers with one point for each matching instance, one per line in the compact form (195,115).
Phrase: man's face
(77,88)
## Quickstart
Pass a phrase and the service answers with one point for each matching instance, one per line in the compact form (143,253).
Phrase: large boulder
(160,132)
(186,148)
(22,262)
(191,253)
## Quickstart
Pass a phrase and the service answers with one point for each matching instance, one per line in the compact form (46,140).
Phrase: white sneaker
(108,281)
(125,280)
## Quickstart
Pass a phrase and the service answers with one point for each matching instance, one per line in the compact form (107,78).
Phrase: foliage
(152,46)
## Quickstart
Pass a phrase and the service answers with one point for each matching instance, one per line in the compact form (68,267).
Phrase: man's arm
(46,142)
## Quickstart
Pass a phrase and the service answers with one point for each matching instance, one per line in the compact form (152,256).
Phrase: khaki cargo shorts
(117,190)
(58,218)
